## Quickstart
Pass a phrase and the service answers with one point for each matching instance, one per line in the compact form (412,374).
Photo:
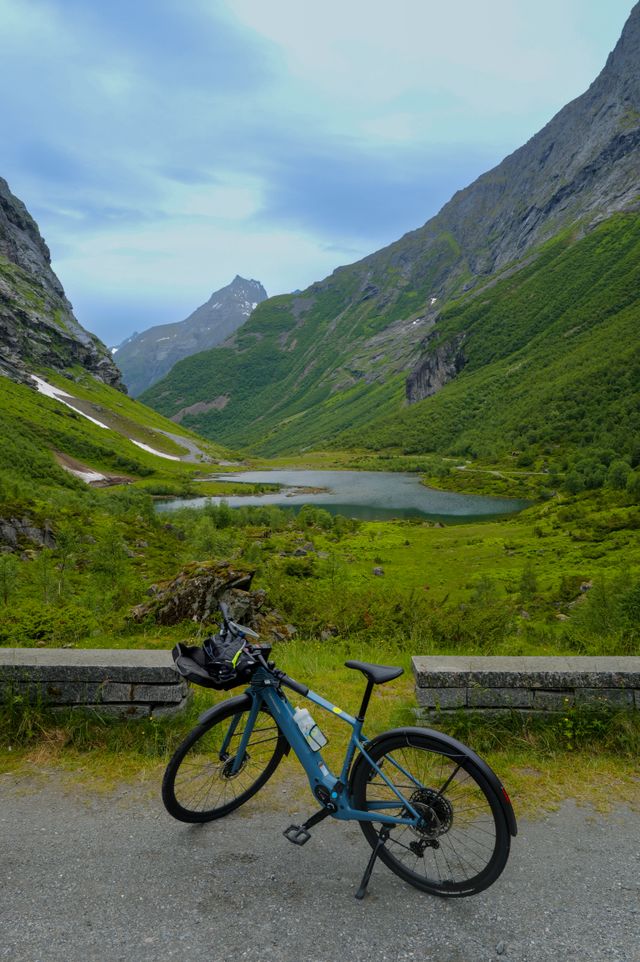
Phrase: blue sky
(165,146)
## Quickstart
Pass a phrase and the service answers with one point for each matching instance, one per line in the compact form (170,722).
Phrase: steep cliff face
(145,358)
(323,360)
(582,166)
(436,369)
(37,325)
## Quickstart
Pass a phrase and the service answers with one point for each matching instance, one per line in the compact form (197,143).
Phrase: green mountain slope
(553,358)
(308,367)
(40,434)
(275,375)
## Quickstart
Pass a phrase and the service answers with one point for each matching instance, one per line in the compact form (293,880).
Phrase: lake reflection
(369,495)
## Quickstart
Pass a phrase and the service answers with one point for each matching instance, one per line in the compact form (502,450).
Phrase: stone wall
(525,684)
(121,682)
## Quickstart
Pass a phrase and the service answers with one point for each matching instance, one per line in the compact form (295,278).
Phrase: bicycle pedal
(297,834)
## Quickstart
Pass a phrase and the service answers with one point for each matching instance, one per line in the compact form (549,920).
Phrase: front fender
(240,702)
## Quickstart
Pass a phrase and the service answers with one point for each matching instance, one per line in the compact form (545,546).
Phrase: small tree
(617,475)
(67,546)
(44,573)
(633,485)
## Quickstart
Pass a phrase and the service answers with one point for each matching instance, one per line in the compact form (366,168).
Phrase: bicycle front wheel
(461,844)
(199,783)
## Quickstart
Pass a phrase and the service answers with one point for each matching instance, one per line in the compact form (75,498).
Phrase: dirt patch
(201,407)
(96,479)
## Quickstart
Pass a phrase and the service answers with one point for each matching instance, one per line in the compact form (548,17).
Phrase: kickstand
(382,838)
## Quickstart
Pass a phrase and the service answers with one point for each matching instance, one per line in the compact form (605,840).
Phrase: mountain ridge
(146,357)
(361,338)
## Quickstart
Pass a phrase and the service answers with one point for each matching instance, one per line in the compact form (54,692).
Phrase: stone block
(553,700)
(430,715)
(444,698)
(545,672)
(119,692)
(499,698)
(51,692)
(121,683)
(114,691)
(167,711)
(605,697)
(159,694)
(87,664)
(90,693)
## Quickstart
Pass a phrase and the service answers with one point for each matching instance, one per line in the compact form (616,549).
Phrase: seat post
(365,701)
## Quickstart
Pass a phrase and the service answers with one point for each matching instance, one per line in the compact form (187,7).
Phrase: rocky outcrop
(147,357)
(435,370)
(195,595)
(37,325)
(17,534)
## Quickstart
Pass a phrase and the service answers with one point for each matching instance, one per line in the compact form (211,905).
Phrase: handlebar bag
(219,664)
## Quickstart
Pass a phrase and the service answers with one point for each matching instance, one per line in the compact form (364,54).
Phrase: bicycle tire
(464,842)
(198,785)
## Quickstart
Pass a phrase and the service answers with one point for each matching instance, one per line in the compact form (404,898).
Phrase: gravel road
(195,454)
(111,877)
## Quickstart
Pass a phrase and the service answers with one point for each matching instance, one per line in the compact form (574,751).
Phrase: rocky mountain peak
(241,288)
(623,61)
(21,241)
(145,358)
(243,283)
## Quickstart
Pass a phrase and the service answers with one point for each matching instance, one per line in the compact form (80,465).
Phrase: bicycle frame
(264,690)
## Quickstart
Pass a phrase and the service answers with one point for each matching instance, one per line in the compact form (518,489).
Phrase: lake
(368,495)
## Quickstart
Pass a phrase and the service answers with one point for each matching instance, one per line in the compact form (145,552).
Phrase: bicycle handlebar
(280,675)
(292,683)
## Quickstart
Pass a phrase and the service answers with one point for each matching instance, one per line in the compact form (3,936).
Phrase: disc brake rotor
(228,766)
(436,813)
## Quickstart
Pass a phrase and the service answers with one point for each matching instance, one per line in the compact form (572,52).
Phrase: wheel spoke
(199,784)
(460,844)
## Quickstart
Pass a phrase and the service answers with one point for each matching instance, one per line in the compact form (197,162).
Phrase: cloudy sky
(164,146)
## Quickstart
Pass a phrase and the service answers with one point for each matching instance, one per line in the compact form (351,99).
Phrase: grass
(592,758)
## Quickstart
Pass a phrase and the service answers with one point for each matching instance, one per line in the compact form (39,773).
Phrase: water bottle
(313,736)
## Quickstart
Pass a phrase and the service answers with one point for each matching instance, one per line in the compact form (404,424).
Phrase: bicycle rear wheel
(199,784)
(462,843)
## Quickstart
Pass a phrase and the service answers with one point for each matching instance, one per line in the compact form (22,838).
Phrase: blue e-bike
(431,809)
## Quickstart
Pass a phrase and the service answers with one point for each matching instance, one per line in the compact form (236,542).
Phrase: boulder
(195,595)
